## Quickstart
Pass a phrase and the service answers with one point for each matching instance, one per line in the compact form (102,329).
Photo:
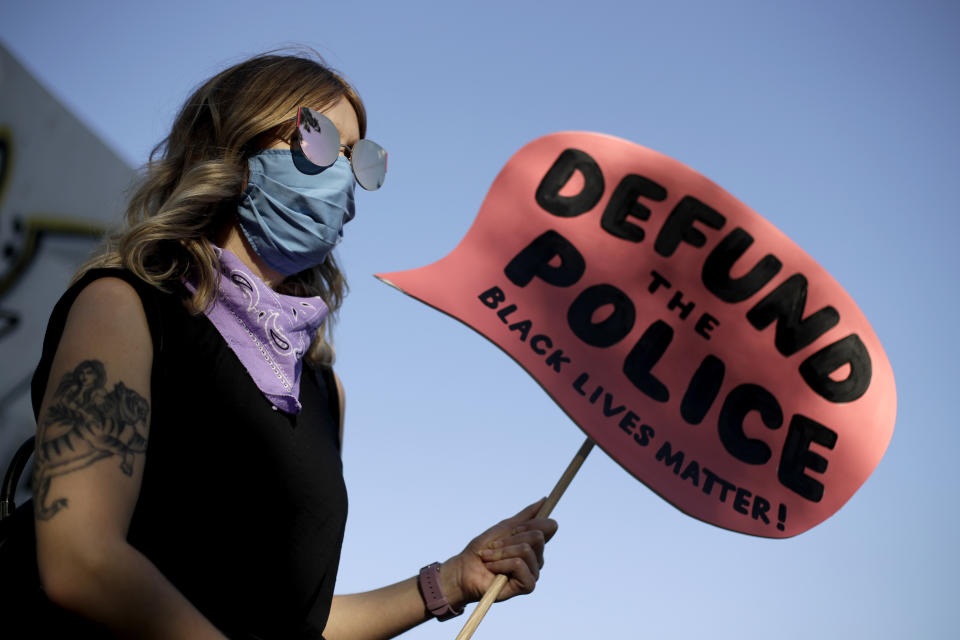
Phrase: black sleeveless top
(242,507)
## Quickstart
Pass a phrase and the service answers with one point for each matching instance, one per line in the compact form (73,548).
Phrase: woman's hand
(513,547)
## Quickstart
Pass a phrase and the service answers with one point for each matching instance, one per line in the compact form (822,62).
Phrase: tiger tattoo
(86,423)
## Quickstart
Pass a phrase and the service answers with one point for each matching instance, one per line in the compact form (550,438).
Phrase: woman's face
(87,376)
(344,118)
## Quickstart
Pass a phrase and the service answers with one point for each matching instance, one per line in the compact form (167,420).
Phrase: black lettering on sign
(623,204)
(646,433)
(797,457)
(608,331)
(657,281)
(712,478)
(548,193)
(523,327)
(608,409)
(666,455)
(741,401)
(504,313)
(741,500)
(597,392)
(703,390)
(535,260)
(538,340)
(678,226)
(492,297)
(785,304)
(578,383)
(760,508)
(556,359)
(817,370)
(744,501)
(692,473)
(676,302)
(629,422)
(639,363)
(705,325)
(717,266)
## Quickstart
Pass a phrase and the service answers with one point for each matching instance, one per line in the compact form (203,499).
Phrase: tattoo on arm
(83,424)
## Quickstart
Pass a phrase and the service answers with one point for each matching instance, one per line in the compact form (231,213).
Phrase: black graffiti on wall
(23,236)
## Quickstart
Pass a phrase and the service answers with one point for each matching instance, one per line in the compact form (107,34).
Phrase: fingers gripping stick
(500,581)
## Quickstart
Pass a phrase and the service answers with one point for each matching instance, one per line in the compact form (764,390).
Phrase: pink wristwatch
(437,603)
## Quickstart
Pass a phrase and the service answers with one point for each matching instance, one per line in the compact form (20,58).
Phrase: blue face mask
(293,212)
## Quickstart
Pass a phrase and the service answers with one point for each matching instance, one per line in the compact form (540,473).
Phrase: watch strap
(433,597)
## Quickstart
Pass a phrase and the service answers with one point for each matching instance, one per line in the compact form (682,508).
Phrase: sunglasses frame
(303,117)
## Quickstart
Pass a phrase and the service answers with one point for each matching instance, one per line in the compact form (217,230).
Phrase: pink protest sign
(699,346)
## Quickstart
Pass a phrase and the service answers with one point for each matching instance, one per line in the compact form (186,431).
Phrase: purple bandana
(269,332)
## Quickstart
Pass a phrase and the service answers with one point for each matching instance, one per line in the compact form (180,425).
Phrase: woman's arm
(92,435)
(513,547)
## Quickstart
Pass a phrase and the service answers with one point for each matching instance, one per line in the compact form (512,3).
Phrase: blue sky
(835,120)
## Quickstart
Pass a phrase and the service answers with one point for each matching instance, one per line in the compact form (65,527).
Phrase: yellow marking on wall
(37,227)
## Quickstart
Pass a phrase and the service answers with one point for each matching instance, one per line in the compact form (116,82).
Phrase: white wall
(60,188)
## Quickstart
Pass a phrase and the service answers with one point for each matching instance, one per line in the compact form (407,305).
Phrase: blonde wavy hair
(194,179)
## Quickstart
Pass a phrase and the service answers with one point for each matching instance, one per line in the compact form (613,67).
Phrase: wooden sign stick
(500,581)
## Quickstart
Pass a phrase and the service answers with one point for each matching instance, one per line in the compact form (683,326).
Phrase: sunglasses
(319,141)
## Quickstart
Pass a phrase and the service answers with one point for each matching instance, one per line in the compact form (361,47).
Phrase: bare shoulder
(108,314)
(108,296)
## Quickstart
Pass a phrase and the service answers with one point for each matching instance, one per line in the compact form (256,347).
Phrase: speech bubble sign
(700,347)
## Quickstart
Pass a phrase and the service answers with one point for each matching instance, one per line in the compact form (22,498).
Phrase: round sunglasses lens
(319,138)
(369,162)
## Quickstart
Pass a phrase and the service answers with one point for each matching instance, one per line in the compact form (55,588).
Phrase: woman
(197,491)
